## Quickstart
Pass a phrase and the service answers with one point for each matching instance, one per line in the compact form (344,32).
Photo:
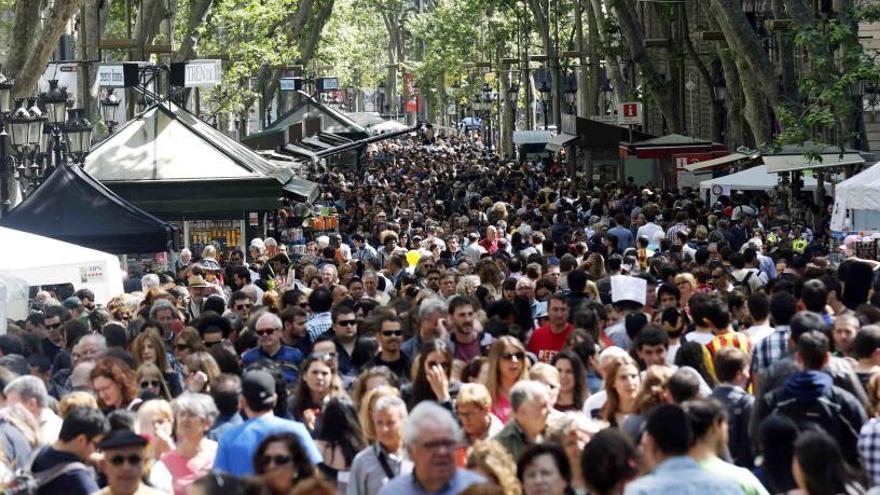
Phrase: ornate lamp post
(545,95)
(78,131)
(109,110)
(55,102)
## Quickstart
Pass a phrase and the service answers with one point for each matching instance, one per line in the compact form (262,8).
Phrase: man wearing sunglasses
(268,329)
(124,463)
(390,337)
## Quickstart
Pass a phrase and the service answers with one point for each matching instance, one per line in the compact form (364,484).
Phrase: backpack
(744,283)
(822,412)
(28,483)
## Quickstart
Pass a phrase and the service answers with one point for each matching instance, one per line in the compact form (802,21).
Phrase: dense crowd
(474,326)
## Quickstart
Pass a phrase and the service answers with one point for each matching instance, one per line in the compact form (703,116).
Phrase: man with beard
(468,339)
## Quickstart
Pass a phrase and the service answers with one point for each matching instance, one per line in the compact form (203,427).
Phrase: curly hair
(493,459)
(115,370)
(304,467)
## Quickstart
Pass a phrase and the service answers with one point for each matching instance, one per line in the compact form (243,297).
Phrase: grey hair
(387,402)
(161,305)
(428,412)
(526,390)
(29,387)
(432,306)
(148,281)
(202,405)
(271,317)
(80,377)
(100,341)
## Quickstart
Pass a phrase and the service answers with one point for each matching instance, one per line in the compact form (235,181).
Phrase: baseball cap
(120,439)
(258,389)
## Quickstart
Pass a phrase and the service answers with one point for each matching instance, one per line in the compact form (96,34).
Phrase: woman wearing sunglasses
(151,382)
(507,365)
(282,463)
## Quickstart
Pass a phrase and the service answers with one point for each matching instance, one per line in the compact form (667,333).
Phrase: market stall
(41,261)
(73,207)
(857,202)
(179,168)
(752,179)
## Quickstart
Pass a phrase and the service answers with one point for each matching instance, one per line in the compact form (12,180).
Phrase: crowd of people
(474,326)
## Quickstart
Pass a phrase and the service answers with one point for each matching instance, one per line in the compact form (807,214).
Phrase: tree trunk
(660,89)
(395,54)
(525,78)
(26,31)
(198,14)
(591,61)
(91,29)
(542,25)
(735,133)
(615,74)
(147,24)
(28,75)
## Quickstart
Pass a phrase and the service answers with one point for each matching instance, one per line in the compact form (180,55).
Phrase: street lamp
(55,102)
(109,110)
(78,131)
(545,94)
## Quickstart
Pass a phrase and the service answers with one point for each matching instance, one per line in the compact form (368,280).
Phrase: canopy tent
(387,126)
(13,300)
(40,260)
(857,201)
(175,166)
(73,207)
(752,179)
(810,156)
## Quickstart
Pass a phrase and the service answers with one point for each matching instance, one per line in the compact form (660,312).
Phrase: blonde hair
(147,414)
(686,277)
(147,370)
(543,371)
(651,387)
(75,399)
(493,459)
(493,381)
(365,412)
(204,362)
(474,394)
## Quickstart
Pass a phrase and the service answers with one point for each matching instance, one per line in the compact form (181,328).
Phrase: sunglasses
(181,347)
(393,333)
(278,460)
(53,327)
(445,365)
(150,383)
(133,459)
(265,331)
(347,323)
(243,306)
(507,356)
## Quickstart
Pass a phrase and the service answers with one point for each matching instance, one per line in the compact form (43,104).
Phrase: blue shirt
(288,358)
(222,425)
(681,476)
(407,484)
(235,453)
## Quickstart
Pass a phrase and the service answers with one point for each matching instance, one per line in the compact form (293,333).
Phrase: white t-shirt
(594,403)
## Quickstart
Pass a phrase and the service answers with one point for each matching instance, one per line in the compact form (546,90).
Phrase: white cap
(626,288)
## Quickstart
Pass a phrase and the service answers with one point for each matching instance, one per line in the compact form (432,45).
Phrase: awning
(531,137)
(559,141)
(715,162)
(304,190)
(788,163)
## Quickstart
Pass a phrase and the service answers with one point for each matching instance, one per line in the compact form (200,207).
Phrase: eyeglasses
(243,306)
(347,323)
(278,460)
(304,305)
(323,356)
(133,459)
(507,356)
(392,333)
(181,347)
(150,383)
(265,331)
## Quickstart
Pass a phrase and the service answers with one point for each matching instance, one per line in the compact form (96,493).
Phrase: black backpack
(744,283)
(26,482)
(823,412)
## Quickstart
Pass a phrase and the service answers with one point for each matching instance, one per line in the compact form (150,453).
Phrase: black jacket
(739,404)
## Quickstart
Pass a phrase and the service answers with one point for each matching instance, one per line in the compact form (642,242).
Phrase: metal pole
(56,136)
(4,172)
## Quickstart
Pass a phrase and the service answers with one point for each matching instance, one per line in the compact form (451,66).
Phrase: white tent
(752,179)
(40,260)
(13,300)
(857,201)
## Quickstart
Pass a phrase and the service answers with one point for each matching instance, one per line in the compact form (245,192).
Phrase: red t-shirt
(545,344)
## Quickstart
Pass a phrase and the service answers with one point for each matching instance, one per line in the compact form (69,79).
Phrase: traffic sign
(630,113)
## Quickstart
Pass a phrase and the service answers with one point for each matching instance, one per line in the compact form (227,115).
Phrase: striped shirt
(730,339)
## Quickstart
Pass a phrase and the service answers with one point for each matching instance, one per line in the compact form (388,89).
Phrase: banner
(410,93)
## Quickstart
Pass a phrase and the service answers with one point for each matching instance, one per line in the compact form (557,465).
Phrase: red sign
(410,93)
(630,110)
(687,159)
(630,113)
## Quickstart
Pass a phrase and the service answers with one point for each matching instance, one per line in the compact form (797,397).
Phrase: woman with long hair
(156,419)
(147,347)
(687,285)
(650,394)
(282,463)
(199,370)
(507,365)
(339,438)
(621,384)
(369,379)
(572,381)
(432,376)
(115,384)
(314,387)
(151,382)
(187,342)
